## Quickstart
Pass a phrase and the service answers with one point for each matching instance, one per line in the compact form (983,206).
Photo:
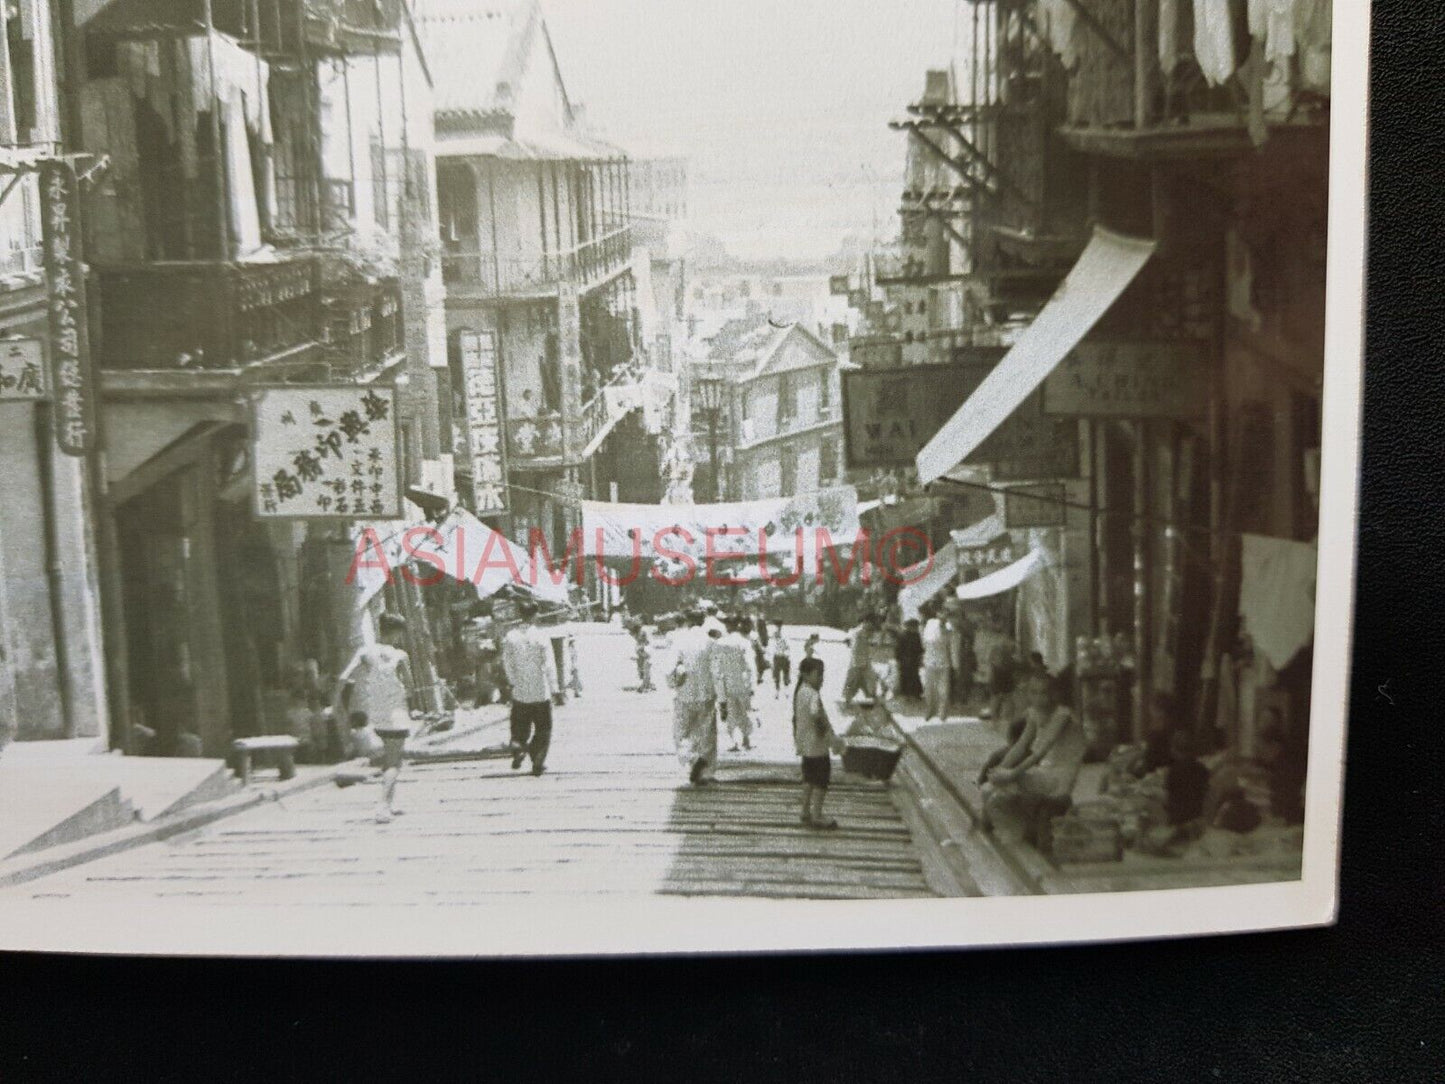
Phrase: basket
(872,758)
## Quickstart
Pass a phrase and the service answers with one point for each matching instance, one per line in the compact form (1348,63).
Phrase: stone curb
(1017,866)
(18,871)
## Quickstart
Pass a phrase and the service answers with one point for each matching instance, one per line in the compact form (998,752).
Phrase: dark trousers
(532,729)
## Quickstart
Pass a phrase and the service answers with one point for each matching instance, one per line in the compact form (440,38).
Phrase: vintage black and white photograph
(489,477)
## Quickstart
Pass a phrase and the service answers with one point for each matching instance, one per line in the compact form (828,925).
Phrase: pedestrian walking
(936,669)
(759,629)
(373,694)
(782,662)
(814,738)
(644,661)
(909,654)
(694,726)
(860,676)
(531,670)
(732,676)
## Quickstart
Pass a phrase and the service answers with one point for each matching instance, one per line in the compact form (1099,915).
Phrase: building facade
(52,674)
(1200,463)
(544,270)
(262,221)
(770,425)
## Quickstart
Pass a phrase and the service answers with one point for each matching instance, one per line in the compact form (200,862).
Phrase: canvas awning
(912,596)
(996,583)
(1107,266)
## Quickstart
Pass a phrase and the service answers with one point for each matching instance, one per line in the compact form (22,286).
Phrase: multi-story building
(261,217)
(538,255)
(1188,185)
(52,681)
(766,415)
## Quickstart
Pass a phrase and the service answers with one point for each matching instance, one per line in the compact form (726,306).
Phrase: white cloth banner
(914,593)
(1109,263)
(745,527)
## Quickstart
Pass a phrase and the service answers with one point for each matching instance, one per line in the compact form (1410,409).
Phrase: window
(787,400)
(828,461)
(825,393)
(787,472)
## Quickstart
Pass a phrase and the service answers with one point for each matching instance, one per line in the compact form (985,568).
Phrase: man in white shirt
(732,676)
(694,726)
(936,669)
(531,670)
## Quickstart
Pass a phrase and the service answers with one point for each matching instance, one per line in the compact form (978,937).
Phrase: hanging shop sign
(988,558)
(1138,379)
(1039,505)
(70,371)
(838,285)
(326,453)
(485,448)
(890,414)
(22,369)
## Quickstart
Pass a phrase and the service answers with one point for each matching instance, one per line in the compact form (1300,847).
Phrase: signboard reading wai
(484,422)
(890,414)
(326,453)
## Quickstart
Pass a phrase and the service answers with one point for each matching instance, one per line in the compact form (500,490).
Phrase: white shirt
(694,661)
(731,668)
(935,645)
(529,665)
(377,687)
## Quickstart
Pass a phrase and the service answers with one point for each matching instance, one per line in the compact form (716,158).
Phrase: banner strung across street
(326,453)
(739,528)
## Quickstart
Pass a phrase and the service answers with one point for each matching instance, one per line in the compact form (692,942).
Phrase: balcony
(553,440)
(207,314)
(200,317)
(484,273)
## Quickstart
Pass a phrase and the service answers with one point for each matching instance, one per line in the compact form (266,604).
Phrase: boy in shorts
(814,738)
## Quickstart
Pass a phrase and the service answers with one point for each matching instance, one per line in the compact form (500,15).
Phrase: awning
(996,583)
(912,596)
(1107,266)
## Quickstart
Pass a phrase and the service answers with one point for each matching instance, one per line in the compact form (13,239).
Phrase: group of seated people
(1178,795)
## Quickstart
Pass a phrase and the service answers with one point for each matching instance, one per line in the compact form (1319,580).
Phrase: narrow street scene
(460,451)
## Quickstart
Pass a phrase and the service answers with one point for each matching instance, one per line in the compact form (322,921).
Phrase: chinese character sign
(326,452)
(73,393)
(484,422)
(22,373)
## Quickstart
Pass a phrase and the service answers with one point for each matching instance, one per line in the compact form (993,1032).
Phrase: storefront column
(1143,593)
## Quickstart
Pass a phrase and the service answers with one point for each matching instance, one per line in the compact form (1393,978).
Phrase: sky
(782,106)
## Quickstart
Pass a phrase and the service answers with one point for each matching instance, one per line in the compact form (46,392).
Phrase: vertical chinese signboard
(73,392)
(485,450)
(22,372)
(326,453)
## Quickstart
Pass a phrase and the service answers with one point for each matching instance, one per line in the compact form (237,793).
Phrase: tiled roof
(475,50)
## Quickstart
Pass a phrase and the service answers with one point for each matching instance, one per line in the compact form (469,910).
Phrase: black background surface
(1359,1001)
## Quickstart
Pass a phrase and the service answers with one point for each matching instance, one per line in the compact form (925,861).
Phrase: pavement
(613,815)
(954,751)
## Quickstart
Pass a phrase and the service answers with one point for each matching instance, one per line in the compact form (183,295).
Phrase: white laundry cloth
(1277,595)
(1214,40)
(1273,23)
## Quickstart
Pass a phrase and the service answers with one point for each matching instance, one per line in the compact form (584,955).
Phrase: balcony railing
(220,316)
(535,440)
(491,274)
